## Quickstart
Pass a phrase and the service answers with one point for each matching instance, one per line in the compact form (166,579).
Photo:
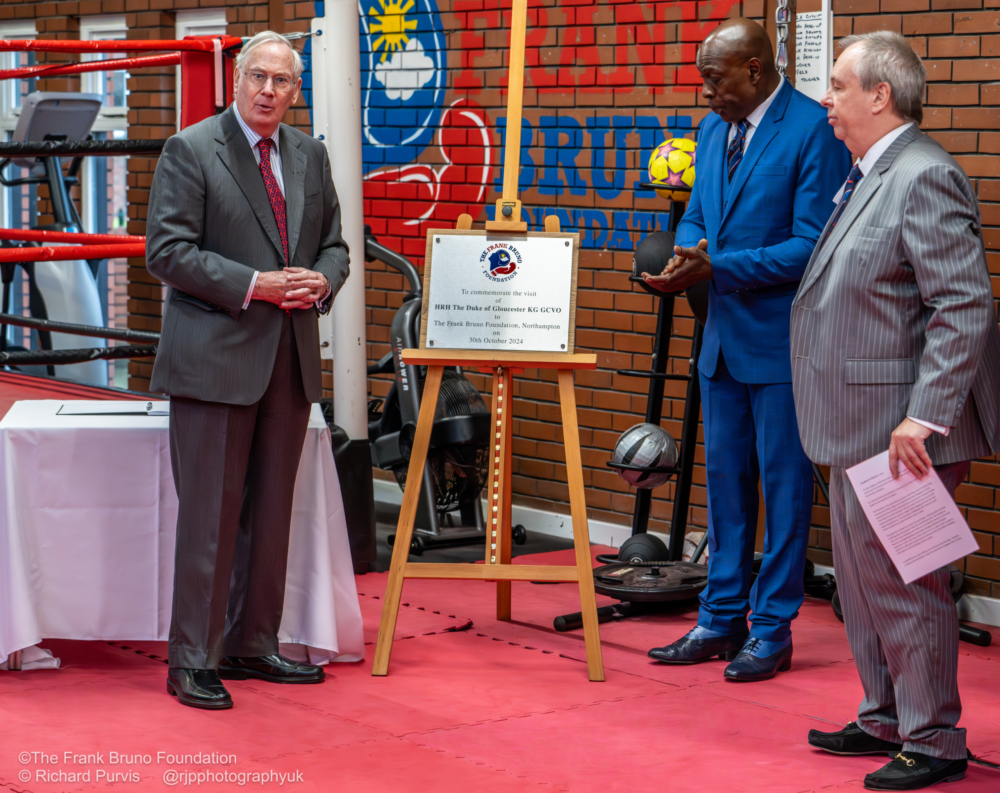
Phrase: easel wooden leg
(581,531)
(407,515)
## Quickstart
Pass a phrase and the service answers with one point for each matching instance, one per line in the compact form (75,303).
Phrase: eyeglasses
(259,79)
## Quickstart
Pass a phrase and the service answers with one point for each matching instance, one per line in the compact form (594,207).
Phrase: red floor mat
(488,707)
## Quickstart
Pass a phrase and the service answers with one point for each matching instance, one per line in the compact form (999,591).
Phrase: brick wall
(604,83)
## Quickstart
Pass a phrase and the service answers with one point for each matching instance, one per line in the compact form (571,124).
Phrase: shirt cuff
(935,427)
(324,304)
(253,283)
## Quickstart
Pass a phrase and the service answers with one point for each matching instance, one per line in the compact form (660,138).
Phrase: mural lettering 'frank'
(433,151)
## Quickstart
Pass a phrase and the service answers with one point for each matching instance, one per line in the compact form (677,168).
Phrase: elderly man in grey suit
(894,346)
(244,229)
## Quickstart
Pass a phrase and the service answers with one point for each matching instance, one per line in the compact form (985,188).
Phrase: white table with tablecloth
(88,517)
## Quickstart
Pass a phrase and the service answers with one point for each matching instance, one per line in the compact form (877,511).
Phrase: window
(104,188)
(18,205)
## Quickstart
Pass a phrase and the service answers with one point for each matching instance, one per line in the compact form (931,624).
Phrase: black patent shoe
(913,771)
(852,740)
(198,688)
(273,668)
(748,668)
(693,651)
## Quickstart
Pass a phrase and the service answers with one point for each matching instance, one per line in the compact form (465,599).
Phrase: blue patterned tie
(853,178)
(735,154)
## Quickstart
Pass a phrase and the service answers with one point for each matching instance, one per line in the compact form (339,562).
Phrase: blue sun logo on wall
(403,79)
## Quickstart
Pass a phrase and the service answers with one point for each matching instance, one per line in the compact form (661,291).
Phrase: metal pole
(654,403)
(689,436)
(336,74)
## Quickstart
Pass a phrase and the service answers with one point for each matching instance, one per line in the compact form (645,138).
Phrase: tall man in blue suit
(768,169)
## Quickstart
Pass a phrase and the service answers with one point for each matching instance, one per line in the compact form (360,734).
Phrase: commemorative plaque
(490,291)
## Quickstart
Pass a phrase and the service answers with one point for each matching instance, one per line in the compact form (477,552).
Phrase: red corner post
(206,81)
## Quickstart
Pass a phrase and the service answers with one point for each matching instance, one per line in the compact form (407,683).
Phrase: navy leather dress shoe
(198,688)
(273,668)
(913,771)
(852,740)
(693,651)
(748,667)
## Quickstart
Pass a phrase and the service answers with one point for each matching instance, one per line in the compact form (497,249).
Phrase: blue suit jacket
(761,230)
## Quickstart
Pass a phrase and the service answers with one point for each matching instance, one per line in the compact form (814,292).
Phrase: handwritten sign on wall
(813,51)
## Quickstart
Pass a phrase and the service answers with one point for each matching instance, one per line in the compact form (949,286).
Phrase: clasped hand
(292,287)
(687,267)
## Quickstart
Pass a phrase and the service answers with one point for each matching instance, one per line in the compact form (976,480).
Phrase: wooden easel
(503,365)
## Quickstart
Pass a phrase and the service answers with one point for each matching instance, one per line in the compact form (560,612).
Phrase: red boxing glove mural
(455,179)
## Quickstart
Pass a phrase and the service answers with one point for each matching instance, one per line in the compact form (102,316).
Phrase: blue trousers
(751,433)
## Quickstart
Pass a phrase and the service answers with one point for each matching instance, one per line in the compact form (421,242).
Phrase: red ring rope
(35,235)
(195,45)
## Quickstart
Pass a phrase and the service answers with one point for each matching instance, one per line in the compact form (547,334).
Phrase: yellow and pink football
(672,163)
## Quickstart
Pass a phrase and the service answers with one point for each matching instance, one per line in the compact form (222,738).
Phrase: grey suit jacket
(894,316)
(209,226)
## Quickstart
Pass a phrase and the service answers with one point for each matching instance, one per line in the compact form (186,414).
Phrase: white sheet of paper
(916,520)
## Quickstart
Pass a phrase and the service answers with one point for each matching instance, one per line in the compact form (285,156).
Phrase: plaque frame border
(573,236)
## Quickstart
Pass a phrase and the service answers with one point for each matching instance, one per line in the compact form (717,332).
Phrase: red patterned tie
(273,191)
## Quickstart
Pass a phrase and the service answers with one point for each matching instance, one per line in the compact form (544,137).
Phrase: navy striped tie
(853,178)
(735,153)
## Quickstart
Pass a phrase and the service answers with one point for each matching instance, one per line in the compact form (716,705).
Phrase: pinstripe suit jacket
(210,225)
(894,316)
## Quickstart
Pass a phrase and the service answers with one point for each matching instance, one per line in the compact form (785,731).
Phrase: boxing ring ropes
(204,61)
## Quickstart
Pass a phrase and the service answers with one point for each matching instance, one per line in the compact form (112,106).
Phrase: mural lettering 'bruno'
(432,151)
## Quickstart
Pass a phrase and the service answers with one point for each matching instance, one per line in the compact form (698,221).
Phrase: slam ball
(646,445)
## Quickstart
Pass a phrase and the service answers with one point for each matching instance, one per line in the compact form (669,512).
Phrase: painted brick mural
(605,83)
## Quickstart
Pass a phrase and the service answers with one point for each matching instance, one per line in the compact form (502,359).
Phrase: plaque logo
(500,262)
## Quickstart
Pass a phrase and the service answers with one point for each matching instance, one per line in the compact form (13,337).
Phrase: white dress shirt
(872,156)
(253,138)
(754,119)
(866,163)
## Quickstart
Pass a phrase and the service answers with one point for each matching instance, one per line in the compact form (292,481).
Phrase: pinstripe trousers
(904,637)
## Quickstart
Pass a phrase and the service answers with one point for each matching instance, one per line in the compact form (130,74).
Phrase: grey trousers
(234,468)
(904,637)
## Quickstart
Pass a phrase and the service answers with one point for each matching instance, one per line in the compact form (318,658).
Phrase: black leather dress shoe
(913,771)
(199,688)
(852,740)
(693,651)
(748,668)
(273,668)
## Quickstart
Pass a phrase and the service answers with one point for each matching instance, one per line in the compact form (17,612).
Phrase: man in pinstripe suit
(244,227)
(894,345)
